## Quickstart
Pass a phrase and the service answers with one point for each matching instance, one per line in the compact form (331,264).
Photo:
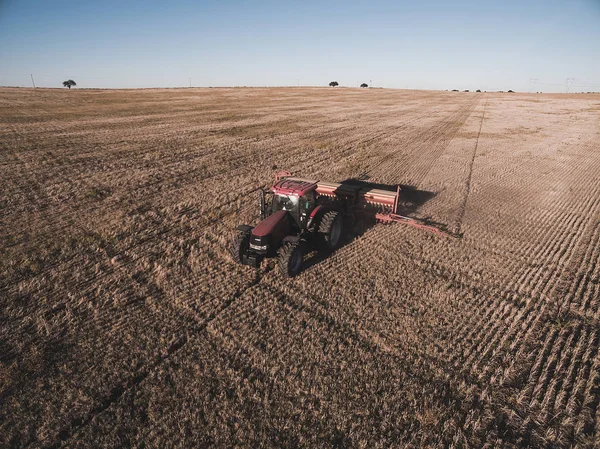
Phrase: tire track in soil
(425,138)
(488,349)
(562,362)
(403,130)
(463,206)
(322,316)
(441,144)
(546,224)
(433,362)
(545,390)
(117,392)
(134,381)
(540,322)
(544,291)
(538,306)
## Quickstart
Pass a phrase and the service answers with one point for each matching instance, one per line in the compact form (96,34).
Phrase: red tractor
(301,215)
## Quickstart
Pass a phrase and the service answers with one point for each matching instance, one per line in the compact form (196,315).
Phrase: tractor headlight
(258,247)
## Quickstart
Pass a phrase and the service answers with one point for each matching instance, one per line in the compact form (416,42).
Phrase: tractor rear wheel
(240,245)
(291,256)
(330,230)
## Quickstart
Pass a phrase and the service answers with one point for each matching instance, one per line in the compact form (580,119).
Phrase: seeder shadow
(410,200)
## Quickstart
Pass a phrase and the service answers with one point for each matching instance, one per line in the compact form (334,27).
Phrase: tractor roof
(294,186)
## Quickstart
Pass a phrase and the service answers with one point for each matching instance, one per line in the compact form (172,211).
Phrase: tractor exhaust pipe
(261,196)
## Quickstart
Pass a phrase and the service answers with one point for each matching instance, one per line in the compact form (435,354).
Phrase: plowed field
(124,321)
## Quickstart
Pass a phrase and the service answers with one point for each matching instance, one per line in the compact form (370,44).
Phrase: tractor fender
(244,228)
(316,212)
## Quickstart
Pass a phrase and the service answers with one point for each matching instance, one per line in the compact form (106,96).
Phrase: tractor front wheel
(291,256)
(239,246)
(330,230)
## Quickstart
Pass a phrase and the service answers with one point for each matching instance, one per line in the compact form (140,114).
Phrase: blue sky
(426,44)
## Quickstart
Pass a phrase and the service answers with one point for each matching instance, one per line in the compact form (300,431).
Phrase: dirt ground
(125,323)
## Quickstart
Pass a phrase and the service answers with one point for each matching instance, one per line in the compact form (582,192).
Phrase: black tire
(240,245)
(330,230)
(291,257)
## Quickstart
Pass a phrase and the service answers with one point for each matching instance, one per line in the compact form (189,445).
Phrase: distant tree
(333,84)
(478,90)
(364,85)
(69,83)
(454,90)
(511,91)
(466,90)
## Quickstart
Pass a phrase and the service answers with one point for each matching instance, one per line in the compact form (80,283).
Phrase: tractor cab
(296,197)
(292,224)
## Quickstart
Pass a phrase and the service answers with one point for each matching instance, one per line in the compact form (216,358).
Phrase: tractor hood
(275,223)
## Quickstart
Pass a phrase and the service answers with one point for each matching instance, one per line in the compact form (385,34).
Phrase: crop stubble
(124,321)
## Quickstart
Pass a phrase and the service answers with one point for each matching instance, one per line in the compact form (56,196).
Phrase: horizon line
(297,87)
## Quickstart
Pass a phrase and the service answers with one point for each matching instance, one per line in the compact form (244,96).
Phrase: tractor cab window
(284,202)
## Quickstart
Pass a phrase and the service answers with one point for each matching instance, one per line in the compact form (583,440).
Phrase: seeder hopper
(299,215)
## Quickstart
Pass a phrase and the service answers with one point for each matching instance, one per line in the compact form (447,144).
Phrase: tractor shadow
(411,199)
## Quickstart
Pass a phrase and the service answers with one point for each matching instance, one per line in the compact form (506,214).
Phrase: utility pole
(32,82)
(190,82)
(531,81)
(370,83)
(567,84)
